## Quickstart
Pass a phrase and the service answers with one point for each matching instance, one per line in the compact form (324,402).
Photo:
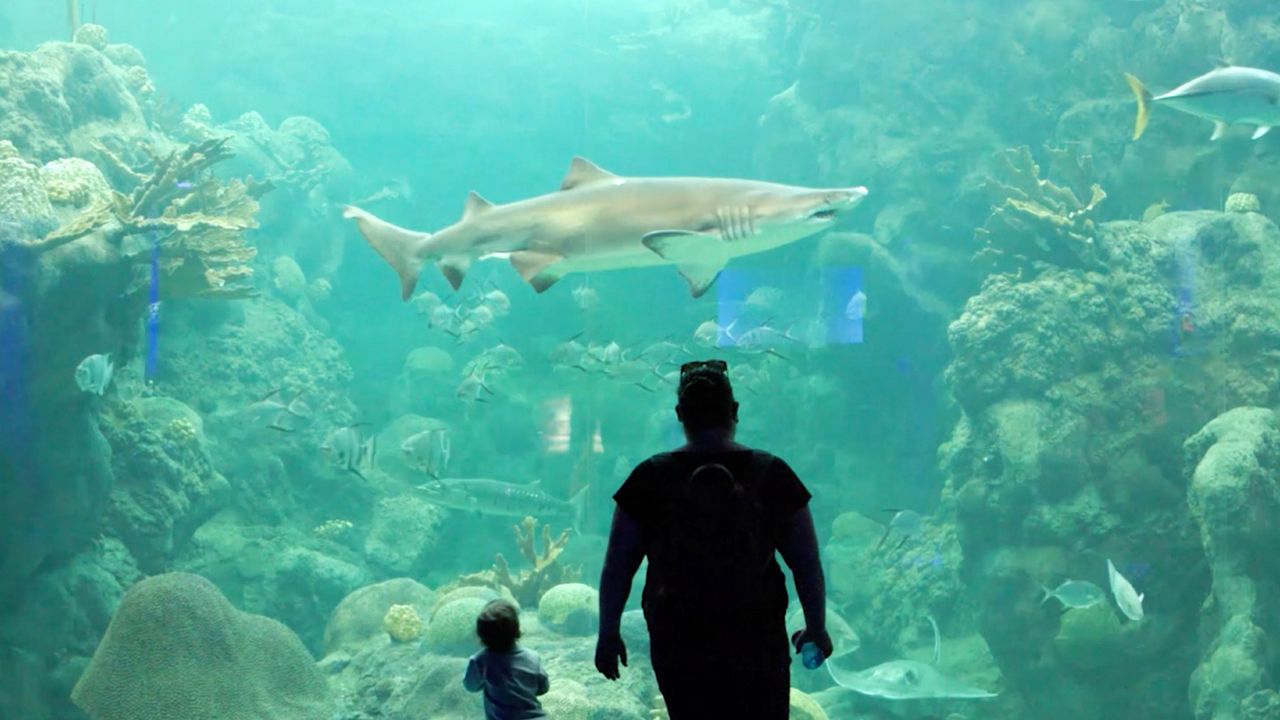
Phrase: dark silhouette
(710,517)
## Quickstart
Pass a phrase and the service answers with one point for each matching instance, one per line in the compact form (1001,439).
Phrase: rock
(288,279)
(125,55)
(570,608)
(428,362)
(567,699)
(95,36)
(452,629)
(359,618)
(74,182)
(23,197)
(403,536)
(177,648)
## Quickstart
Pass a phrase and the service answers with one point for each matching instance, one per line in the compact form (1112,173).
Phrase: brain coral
(403,623)
(177,649)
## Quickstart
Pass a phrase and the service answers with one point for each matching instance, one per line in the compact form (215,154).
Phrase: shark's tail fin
(1143,96)
(405,250)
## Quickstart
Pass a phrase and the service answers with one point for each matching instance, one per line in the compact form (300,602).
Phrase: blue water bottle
(811,655)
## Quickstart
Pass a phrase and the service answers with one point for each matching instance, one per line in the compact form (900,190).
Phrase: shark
(906,679)
(601,221)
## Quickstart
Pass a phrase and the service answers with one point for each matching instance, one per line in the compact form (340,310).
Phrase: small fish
(271,413)
(710,334)
(481,316)
(1155,210)
(1127,599)
(498,302)
(907,523)
(184,185)
(857,306)
(586,298)
(472,388)
(93,374)
(351,450)
(1227,96)
(428,450)
(1077,594)
(442,317)
(426,302)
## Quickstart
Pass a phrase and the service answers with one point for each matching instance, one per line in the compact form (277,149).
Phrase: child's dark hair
(499,626)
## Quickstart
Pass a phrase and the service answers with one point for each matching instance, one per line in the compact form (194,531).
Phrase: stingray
(906,679)
(844,639)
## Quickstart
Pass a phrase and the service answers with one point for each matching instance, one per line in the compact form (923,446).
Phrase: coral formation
(1036,223)
(1243,202)
(22,193)
(402,623)
(452,628)
(177,648)
(74,182)
(360,618)
(570,608)
(529,585)
(1234,496)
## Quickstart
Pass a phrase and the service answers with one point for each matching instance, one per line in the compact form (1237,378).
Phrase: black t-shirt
(650,496)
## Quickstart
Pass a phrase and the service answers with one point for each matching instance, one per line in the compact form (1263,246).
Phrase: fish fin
(357,473)
(1047,594)
(1262,130)
(531,263)
(698,256)
(270,394)
(475,205)
(1219,129)
(542,281)
(584,172)
(884,537)
(902,542)
(1143,96)
(455,269)
(402,249)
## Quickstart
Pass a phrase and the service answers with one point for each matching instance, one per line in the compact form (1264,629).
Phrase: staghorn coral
(1036,223)
(528,586)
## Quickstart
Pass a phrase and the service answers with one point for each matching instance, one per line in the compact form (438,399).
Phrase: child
(510,676)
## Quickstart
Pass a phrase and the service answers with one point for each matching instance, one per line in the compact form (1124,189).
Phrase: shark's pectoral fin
(533,265)
(1262,130)
(1219,129)
(455,269)
(698,256)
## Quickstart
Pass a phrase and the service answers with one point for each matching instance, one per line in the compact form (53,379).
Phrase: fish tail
(404,250)
(1047,594)
(1143,96)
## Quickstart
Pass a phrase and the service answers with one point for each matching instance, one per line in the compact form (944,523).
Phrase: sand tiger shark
(601,221)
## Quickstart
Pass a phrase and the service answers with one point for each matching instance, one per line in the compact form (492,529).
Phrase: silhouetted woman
(710,517)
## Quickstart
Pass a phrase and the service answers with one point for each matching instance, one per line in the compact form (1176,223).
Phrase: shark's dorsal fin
(584,172)
(475,205)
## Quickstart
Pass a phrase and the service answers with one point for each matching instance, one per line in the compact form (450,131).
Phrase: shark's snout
(838,201)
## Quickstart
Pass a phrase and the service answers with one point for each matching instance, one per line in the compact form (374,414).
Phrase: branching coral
(529,585)
(1037,223)
(198,221)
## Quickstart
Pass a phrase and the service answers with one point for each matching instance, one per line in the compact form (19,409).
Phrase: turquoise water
(1049,343)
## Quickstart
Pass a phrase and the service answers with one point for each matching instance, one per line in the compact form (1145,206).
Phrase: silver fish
(1227,96)
(1077,594)
(601,221)
(93,374)
(428,450)
(585,297)
(907,523)
(271,413)
(857,306)
(351,450)
(494,497)
(1127,599)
